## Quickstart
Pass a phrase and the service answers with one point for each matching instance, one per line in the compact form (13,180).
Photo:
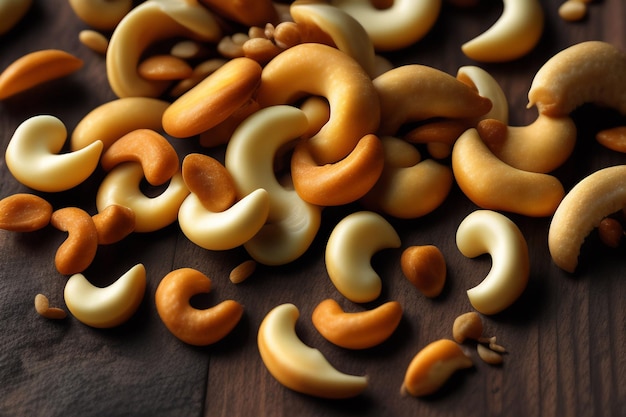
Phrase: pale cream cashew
(292,223)
(402,24)
(33,159)
(105,307)
(592,199)
(516,32)
(493,184)
(350,247)
(487,231)
(121,186)
(587,72)
(486,86)
(144,25)
(11,12)
(298,366)
(101,14)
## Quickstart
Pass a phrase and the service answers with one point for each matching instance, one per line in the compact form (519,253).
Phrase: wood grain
(565,336)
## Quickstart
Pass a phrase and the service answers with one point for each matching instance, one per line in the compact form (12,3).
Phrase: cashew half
(592,199)
(105,307)
(516,32)
(298,366)
(349,250)
(33,159)
(486,231)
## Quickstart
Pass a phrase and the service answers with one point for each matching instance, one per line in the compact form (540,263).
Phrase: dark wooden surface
(566,335)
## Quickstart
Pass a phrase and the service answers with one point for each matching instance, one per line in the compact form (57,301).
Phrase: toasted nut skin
(425,267)
(164,68)
(36,68)
(42,306)
(101,14)
(207,178)
(198,327)
(467,326)
(114,223)
(357,330)
(298,366)
(79,249)
(432,366)
(24,212)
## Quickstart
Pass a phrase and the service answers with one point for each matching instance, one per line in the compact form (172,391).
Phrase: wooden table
(565,336)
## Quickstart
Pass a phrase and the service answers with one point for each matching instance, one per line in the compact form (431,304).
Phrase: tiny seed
(242,271)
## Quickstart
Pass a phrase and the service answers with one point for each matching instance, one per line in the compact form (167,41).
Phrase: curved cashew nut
(486,86)
(587,72)
(349,249)
(398,26)
(359,330)
(408,187)
(101,14)
(145,24)
(322,70)
(210,181)
(583,208)
(105,307)
(516,32)
(33,159)
(198,327)
(12,12)
(79,249)
(416,92)
(298,366)
(493,184)
(121,186)
(542,146)
(292,223)
(486,231)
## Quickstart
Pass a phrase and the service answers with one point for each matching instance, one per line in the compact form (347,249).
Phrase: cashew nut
(101,14)
(210,181)
(113,224)
(12,11)
(32,156)
(493,184)
(298,366)
(486,231)
(42,306)
(349,249)
(486,86)
(109,306)
(613,138)
(198,327)
(516,32)
(425,267)
(357,330)
(592,199)
(164,68)
(94,40)
(24,212)
(79,249)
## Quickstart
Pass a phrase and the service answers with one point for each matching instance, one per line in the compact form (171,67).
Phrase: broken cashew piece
(24,212)
(105,307)
(349,250)
(298,366)
(33,159)
(516,32)
(592,199)
(486,231)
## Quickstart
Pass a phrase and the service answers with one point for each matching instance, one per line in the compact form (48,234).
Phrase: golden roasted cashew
(33,159)
(316,69)
(210,181)
(415,92)
(349,250)
(144,25)
(493,184)
(592,199)
(587,72)
(298,366)
(105,307)
(486,86)
(425,267)
(198,327)
(398,26)
(79,248)
(12,11)
(101,14)
(486,231)
(292,223)
(113,224)
(24,212)
(122,186)
(516,32)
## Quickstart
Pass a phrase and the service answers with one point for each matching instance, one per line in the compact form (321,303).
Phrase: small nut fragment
(425,267)
(207,178)
(164,68)
(79,249)
(94,40)
(242,272)
(467,326)
(611,232)
(573,10)
(488,356)
(42,306)
(24,213)
(613,138)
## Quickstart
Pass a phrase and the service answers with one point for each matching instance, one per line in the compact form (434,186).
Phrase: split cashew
(79,248)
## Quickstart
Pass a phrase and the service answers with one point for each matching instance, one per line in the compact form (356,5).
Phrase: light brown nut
(101,14)
(493,184)
(287,35)
(261,50)
(467,326)
(188,49)
(356,330)
(572,10)
(36,68)
(488,356)
(214,99)
(157,156)
(112,120)
(210,181)
(79,248)
(164,68)
(243,271)
(24,212)
(425,267)
(613,138)
(433,366)
(246,12)
(94,40)
(12,11)
(114,223)
(317,112)
(595,197)
(232,46)
(200,72)
(199,327)
(42,306)
(610,232)
(444,131)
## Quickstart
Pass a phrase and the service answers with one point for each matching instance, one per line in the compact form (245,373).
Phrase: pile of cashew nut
(307,90)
